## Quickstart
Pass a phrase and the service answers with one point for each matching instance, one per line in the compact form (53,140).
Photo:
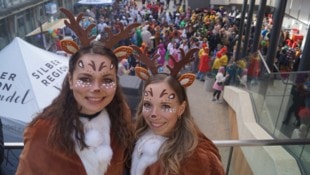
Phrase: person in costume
(87,128)
(224,57)
(204,64)
(216,63)
(219,83)
(138,37)
(167,139)
(174,51)
(162,53)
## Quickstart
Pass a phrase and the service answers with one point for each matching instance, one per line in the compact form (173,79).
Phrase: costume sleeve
(28,164)
(39,158)
(204,161)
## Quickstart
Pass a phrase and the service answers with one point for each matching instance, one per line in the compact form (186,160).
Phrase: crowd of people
(166,27)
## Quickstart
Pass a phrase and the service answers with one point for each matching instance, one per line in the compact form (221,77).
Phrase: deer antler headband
(185,79)
(111,40)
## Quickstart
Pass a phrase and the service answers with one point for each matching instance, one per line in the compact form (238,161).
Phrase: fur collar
(146,152)
(96,158)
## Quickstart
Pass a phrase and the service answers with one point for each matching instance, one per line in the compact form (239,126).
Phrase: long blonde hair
(183,140)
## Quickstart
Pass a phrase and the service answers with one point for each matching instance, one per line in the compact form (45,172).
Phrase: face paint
(160,108)
(93,82)
(89,85)
(165,99)
(92,68)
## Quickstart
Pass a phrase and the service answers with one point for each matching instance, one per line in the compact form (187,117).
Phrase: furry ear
(142,73)
(187,79)
(123,52)
(69,46)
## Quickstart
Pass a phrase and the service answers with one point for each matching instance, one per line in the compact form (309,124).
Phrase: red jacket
(204,63)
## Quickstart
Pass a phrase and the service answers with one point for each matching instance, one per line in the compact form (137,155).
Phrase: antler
(150,63)
(112,39)
(75,26)
(185,59)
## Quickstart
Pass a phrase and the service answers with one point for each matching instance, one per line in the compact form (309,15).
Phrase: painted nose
(96,87)
(154,113)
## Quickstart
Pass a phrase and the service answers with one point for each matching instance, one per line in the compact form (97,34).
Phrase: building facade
(20,17)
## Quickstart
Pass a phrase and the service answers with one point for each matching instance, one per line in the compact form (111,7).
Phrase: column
(275,32)
(248,28)
(244,5)
(258,27)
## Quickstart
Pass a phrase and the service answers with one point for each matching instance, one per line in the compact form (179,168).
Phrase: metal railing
(219,143)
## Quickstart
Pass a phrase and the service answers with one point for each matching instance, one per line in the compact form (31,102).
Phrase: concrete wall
(261,160)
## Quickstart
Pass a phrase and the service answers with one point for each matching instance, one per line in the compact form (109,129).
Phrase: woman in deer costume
(168,142)
(87,129)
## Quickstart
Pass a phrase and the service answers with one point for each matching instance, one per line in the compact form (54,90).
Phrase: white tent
(96,2)
(30,78)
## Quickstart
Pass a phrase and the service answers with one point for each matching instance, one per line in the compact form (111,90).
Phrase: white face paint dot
(169,110)
(172,96)
(80,83)
(146,109)
(108,85)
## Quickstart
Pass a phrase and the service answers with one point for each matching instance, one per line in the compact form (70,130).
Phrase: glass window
(20,26)
(4,37)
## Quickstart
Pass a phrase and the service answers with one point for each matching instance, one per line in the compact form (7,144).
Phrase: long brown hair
(64,109)
(184,139)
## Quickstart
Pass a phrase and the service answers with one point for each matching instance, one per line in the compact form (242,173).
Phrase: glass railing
(279,100)
(249,156)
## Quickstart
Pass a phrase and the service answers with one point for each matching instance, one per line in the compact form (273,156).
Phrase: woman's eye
(85,80)
(107,81)
(147,105)
(166,107)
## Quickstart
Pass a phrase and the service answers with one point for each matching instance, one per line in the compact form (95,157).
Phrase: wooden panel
(240,165)
(233,124)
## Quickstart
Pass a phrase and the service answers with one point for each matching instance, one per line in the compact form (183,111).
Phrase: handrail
(218,143)
(13,145)
(261,142)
